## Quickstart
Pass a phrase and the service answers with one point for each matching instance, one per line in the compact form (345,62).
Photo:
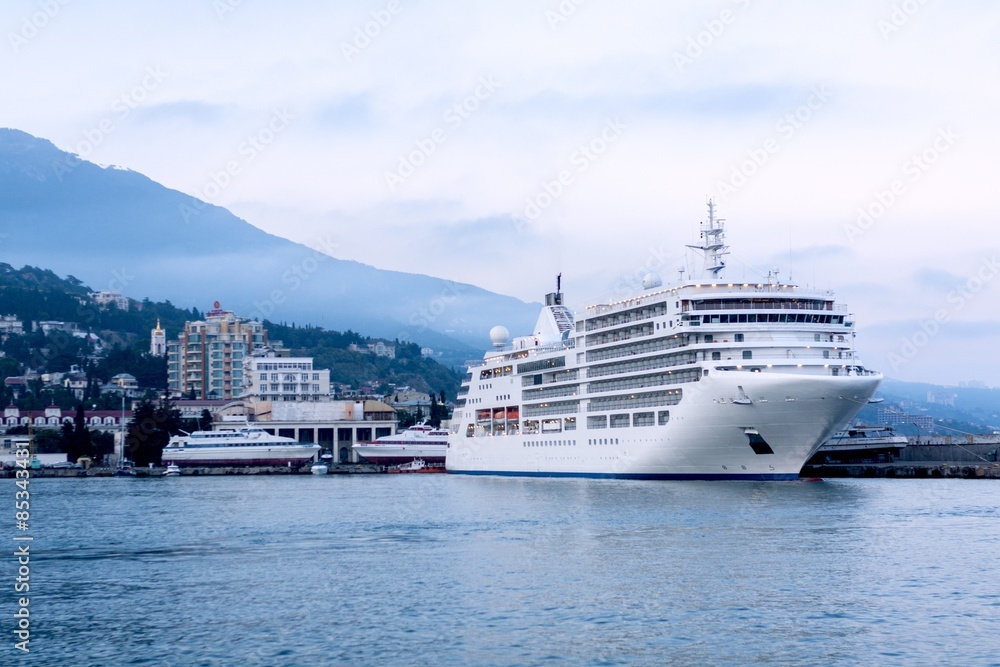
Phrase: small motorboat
(416,466)
(319,468)
(173,470)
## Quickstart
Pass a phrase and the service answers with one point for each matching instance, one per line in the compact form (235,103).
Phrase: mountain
(118,230)
(956,411)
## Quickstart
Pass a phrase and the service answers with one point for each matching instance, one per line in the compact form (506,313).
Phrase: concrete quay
(204,471)
(900,469)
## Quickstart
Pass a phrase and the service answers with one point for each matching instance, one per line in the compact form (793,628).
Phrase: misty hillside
(117,230)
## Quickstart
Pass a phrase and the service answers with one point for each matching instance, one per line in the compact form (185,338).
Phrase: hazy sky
(499,143)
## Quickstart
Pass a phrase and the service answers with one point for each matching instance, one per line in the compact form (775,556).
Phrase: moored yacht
(421,441)
(244,446)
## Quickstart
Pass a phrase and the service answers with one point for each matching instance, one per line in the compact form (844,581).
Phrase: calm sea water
(452,570)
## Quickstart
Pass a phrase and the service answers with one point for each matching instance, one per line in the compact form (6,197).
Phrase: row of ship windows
(549,443)
(636,348)
(534,426)
(640,382)
(645,313)
(620,334)
(547,378)
(656,380)
(768,318)
(571,443)
(625,420)
(647,364)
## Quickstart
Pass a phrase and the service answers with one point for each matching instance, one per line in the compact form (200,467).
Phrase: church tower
(158,341)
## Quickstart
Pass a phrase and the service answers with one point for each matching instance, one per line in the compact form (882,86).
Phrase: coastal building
(206,360)
(123,383)
(892,417)
(49,326)
(333,425)
(410,401)
(75,381)
(18,384)
(158,341)
(11,445)
(218,408)
(271,376)
(378,348)
(105,298)
(54,417)
(10,324)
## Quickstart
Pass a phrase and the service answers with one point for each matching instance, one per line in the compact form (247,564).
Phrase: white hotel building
(269,377)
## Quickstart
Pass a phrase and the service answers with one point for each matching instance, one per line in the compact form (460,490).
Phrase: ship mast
(713,247)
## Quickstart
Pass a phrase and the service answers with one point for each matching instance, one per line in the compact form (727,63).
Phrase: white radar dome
(499,336)
(652,280)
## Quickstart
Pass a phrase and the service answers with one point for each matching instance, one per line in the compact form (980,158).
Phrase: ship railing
(763,305)
(800,355)
(531,351)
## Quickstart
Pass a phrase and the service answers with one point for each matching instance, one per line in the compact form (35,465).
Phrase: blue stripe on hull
(761,477)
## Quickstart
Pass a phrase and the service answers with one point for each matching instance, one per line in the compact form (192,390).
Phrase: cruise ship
(236,447)
(419,442)
(706,379)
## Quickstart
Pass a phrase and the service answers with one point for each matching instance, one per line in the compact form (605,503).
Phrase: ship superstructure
(704,379)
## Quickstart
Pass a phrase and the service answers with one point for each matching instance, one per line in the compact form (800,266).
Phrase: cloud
(198,112)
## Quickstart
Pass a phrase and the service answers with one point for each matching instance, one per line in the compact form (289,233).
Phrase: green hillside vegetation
(329,350)
(35,294)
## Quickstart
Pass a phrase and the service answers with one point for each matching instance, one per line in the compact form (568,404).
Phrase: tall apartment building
(206,360)
(267,376)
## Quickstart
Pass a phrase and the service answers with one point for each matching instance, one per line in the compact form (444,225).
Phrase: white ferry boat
(240,447)
(421,442)
(706,379)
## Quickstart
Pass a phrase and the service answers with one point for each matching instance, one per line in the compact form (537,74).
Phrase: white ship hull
(241,456)
(243,447)
(706,437)
(396,454)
